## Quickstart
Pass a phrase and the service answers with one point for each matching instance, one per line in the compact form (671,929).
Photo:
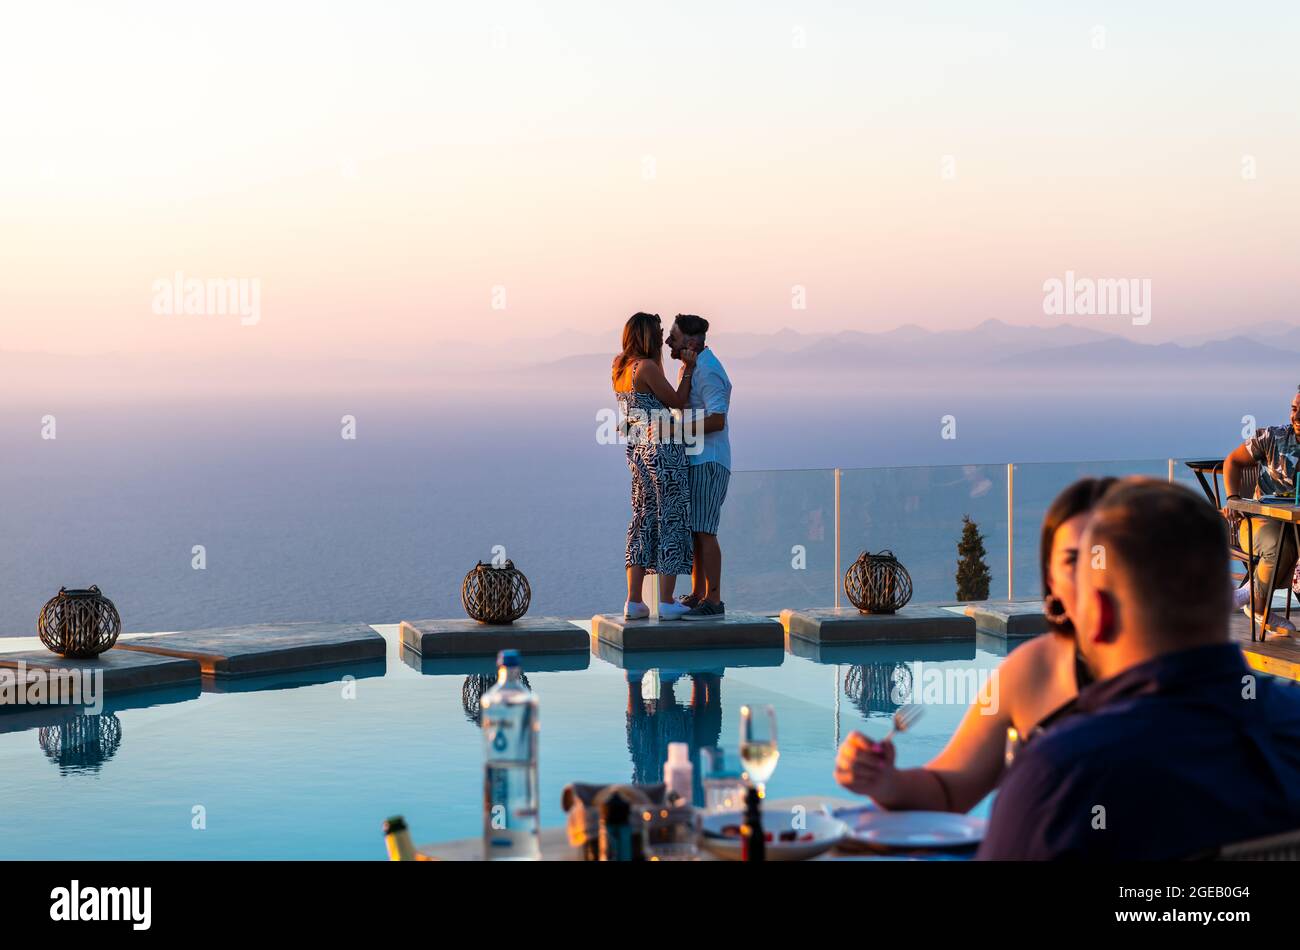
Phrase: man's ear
(1107,614)
(1095,617)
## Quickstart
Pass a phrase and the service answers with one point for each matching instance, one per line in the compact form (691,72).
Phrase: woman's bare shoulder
(1036,659)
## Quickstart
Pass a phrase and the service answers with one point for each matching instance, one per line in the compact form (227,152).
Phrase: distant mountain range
(845,361)
(909,348)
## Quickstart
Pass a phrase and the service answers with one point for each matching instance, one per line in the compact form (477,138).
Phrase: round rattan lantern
(495,595)
(79,624)
(878,583)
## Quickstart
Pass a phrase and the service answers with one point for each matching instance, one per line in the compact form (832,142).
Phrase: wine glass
(758,749)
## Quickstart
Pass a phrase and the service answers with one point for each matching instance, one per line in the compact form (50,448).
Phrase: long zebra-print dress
(659,535)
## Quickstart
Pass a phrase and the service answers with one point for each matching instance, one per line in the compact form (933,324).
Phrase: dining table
(555,844)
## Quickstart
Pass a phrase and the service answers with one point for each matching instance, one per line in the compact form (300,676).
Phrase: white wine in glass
(758,749)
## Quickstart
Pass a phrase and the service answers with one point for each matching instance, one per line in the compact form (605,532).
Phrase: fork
(904,718)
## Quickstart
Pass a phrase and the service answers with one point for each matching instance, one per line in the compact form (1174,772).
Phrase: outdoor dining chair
(1283,847)
(1209,472)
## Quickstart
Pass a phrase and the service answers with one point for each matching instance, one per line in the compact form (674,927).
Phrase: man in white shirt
(710,400)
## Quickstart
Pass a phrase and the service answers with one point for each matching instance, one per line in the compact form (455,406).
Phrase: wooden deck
(1277,655)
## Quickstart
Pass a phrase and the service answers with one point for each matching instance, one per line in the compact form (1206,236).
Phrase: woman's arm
(652,377)
(970,765)
(972,761)
(955,780)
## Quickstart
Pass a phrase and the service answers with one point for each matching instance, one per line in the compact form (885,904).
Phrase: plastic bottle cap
(508,658)
(679,753)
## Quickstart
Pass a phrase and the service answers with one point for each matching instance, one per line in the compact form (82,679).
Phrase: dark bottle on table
(617,843)
(753,846)
(398,839)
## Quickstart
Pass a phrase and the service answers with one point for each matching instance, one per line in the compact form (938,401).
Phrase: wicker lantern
(496,595)
(79,624)
(877,583)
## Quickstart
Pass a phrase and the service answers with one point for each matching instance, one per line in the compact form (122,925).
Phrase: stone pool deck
(278,656)
(265,648)
(919,623)
(121,670)
(736,629)
(261,656)
(464,637)
(1005,618)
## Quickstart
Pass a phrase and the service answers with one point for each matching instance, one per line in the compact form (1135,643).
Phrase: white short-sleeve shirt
(711,393)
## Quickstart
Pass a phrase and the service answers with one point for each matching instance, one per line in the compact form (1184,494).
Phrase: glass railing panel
(1036,485)
(917,512)
(778,540)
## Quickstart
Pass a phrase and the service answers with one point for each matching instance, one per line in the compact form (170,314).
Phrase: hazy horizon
(407,176)
(229,231)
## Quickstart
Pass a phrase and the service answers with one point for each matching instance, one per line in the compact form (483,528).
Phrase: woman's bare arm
(972,761)
(970,765)
(651,376)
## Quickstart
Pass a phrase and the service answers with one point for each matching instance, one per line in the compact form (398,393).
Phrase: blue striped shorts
(708,491)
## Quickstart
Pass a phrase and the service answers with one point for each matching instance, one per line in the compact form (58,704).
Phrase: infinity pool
(309,765)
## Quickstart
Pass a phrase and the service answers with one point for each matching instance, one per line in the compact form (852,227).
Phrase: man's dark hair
(692,325)
(1172,547)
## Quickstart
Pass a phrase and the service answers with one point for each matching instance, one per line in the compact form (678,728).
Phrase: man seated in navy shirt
(1178,747)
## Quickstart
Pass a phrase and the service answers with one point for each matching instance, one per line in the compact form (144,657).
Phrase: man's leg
(698,584)
(710,552)
(1268,537)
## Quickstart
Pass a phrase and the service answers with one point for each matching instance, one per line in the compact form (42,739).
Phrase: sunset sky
(380,168)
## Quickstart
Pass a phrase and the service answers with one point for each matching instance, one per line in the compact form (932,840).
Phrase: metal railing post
(838,573)
(1011,531)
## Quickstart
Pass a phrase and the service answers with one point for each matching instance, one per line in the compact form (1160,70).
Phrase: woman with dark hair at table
(1035,683)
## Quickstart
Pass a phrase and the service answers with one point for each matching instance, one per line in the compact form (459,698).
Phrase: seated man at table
(1275,449)
(1177,747)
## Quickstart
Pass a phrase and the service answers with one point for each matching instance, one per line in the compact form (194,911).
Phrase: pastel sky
(380,168)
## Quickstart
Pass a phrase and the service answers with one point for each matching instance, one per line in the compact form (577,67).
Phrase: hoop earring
(1054,609)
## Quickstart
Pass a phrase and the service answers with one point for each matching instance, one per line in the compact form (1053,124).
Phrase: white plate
(917,829)
(825,830)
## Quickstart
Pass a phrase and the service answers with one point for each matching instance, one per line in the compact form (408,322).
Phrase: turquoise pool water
(308,766)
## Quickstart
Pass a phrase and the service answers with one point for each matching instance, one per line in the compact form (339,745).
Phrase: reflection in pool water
(655,717)
(81,743)
(878,687)
(475,685)
(308,766)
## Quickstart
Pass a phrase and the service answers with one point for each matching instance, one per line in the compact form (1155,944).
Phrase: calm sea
(296,523)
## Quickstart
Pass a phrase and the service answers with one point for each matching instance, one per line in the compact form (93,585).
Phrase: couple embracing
(680,458)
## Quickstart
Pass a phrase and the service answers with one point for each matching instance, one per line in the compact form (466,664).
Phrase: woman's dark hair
(1077,498)
(643,339)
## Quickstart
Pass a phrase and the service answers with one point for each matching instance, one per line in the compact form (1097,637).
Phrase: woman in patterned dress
(659,535)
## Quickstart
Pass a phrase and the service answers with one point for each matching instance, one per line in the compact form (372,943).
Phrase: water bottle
(509,715)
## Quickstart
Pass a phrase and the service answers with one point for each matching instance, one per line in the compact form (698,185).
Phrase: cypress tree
(972,572)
